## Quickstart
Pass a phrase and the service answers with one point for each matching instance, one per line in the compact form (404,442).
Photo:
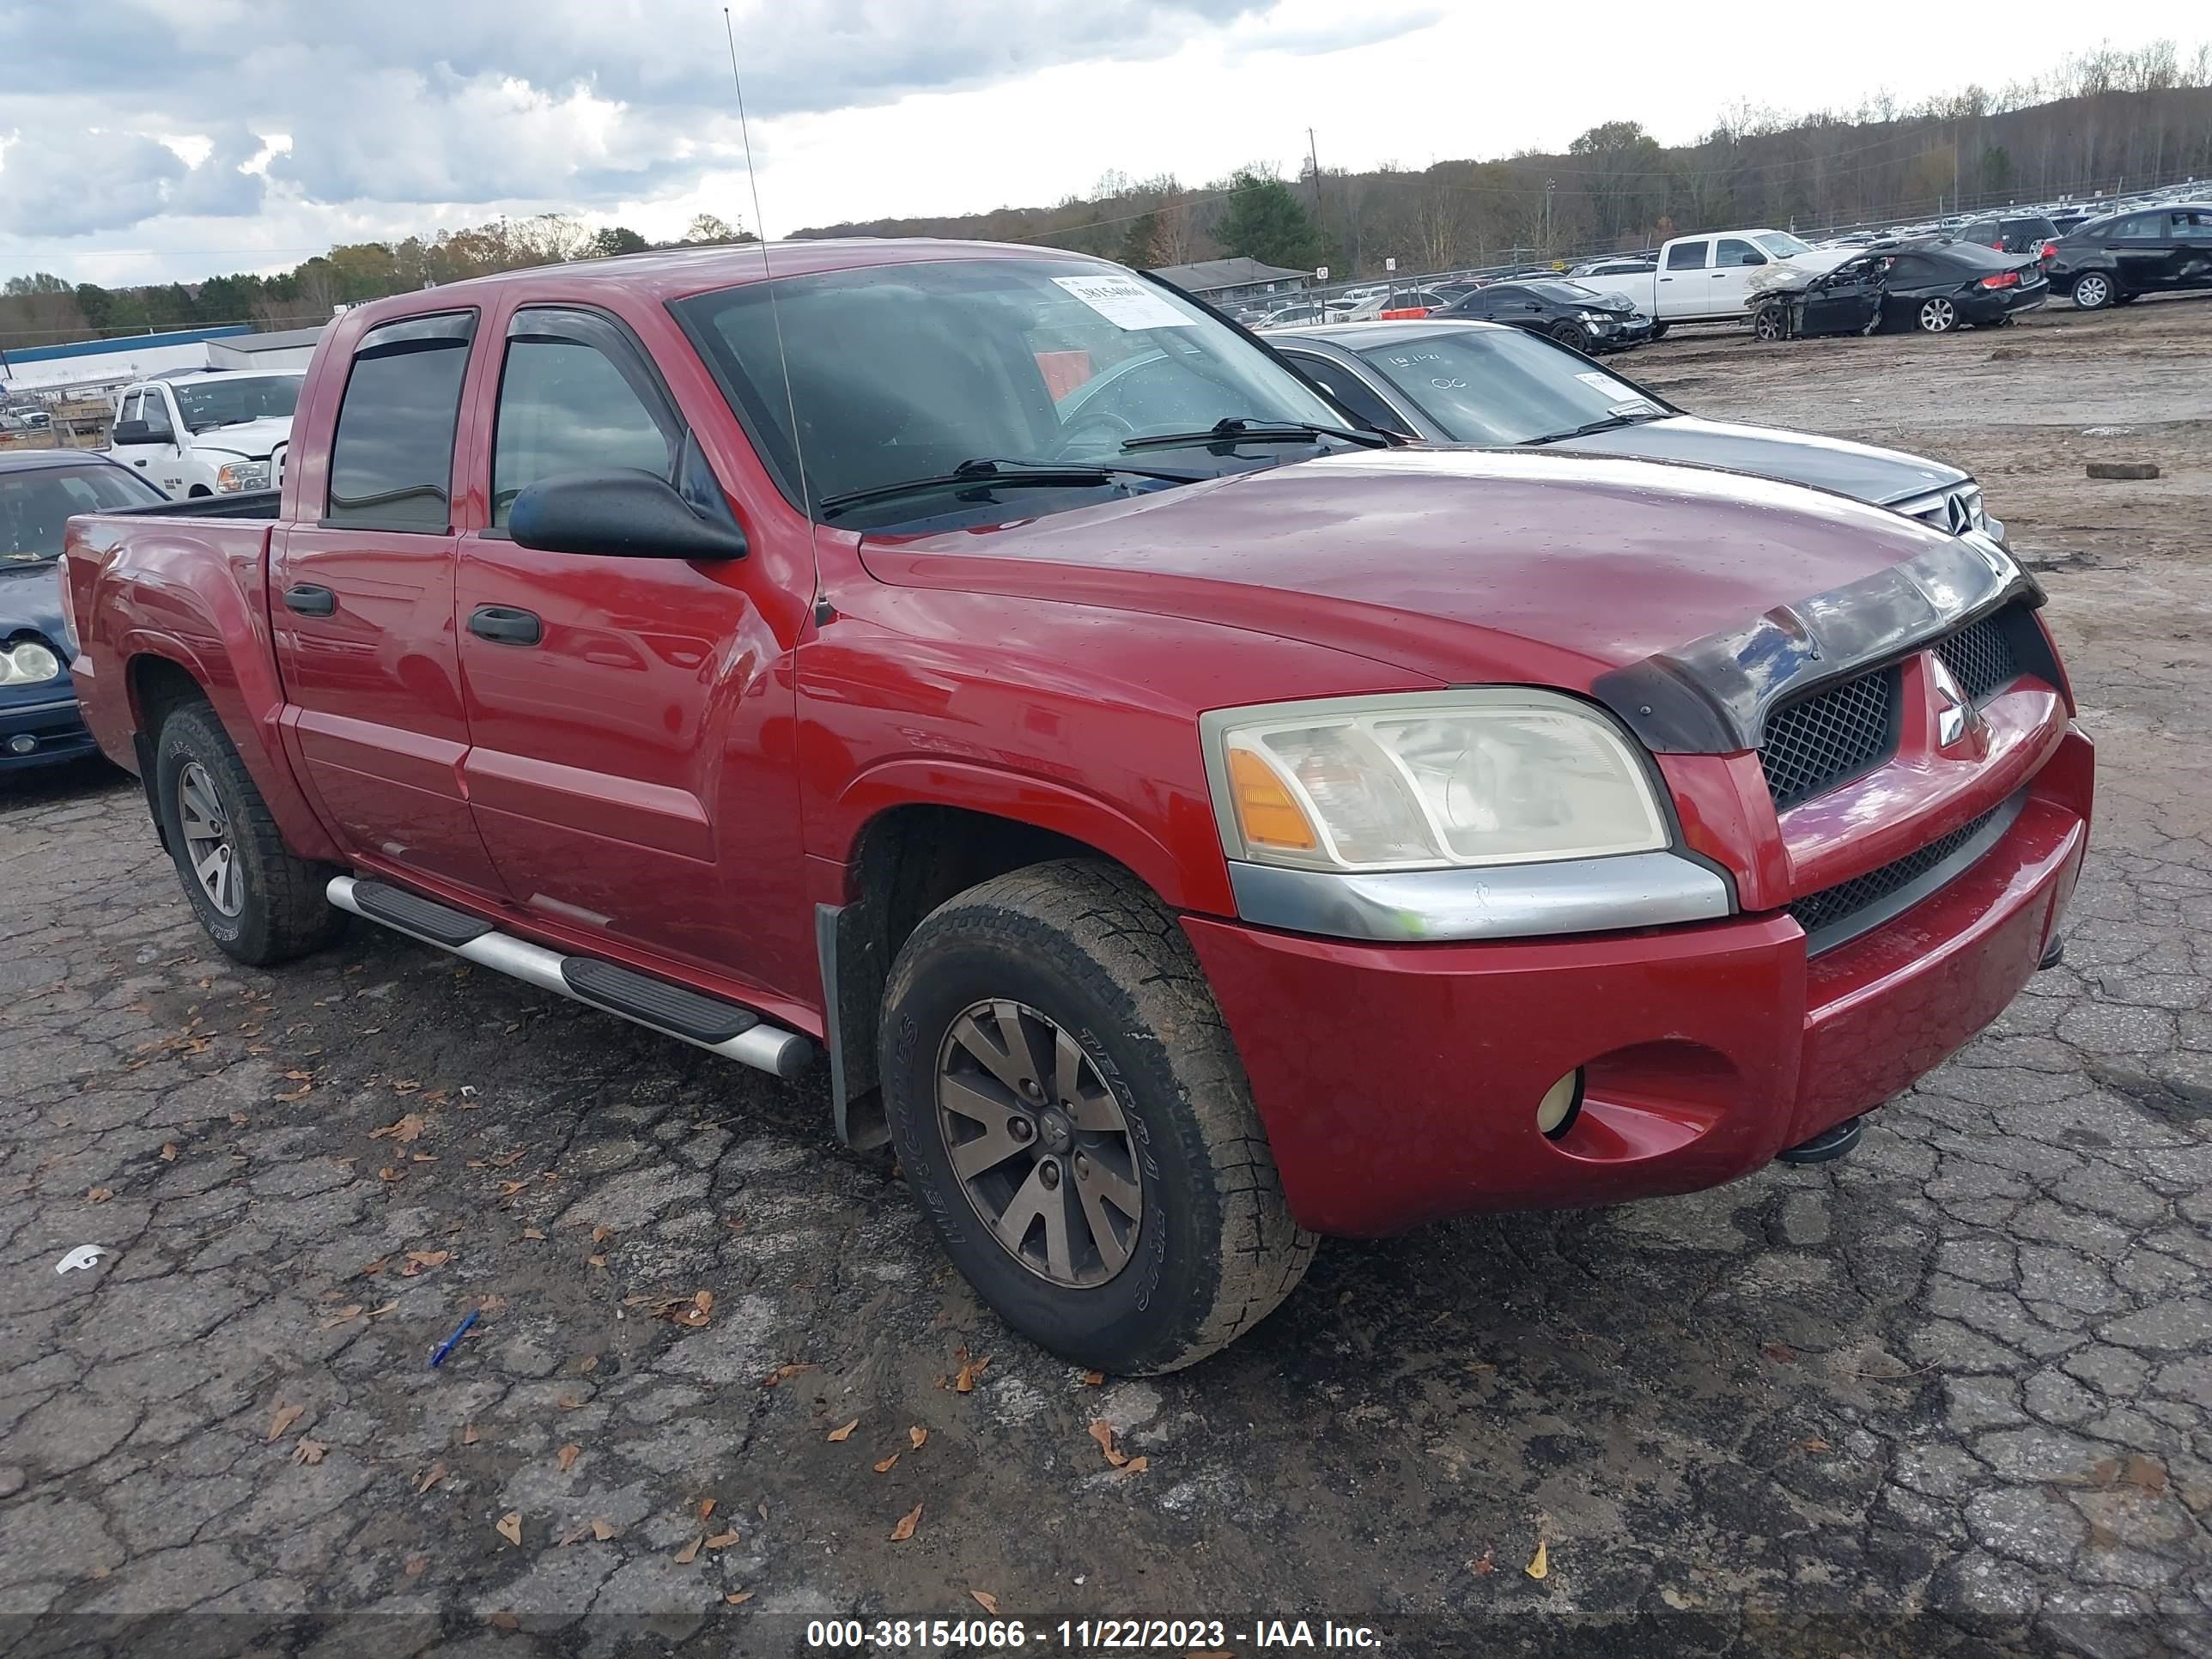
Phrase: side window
(573,397)
(1348,389)
(1688,256)
(1737,252)
(2143,227)
(134,407)
(156,414)
(391,460)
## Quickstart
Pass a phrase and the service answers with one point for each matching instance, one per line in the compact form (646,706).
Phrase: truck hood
(252,440)
(1535,567)
(1884,477)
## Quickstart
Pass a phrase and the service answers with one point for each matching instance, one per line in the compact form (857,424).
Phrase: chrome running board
(719,1027)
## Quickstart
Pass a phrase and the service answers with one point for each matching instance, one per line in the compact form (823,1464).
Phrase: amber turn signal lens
(1266,813)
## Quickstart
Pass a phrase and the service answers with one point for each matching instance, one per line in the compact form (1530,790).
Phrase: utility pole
(1549,185)
(1320,218)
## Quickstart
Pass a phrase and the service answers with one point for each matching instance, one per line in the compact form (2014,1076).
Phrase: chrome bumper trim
(1496,901)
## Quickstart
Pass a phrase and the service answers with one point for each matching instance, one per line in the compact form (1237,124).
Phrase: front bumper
(1400,1082)
(43,728)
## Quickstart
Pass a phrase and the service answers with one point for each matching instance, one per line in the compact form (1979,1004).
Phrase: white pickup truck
(1706,279)
(222,432)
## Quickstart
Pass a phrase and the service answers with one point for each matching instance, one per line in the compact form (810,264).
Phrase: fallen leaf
(169,1151)
(406,1085)
(722,1540)
(568,1402)
(415,1565)
(915,1436)
(2143,1473)
(99,1195)
(510,1526)
(503,1620)
(1780,1353)
(783,1374)
(1135,1466)
(532,1232)
(737,1598)
(567,1455)
(695,1312)
(469,1434)
(595,1261)
(300,1093)
(907,1523)
(431,1477)
(588,1364)
(423,1157)
(1482,1565)
(285,1418)
(351,1311)
(375,1267)
(387,1173)
(1094,1379)
(884,1467)
(419,1259)
(309,1452)
(575,1535)
(1814,1444)
(964,1380)
(1103,1433)
(604,1529)
(846,1433)
(1540,1565)
(601,1234)
(309,1076)
(505,1160)
(690,1553)
(985,1600)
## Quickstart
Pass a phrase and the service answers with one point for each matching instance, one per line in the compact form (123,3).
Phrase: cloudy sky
(146,140)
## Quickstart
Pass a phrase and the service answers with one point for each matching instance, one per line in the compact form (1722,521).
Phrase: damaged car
(1932,287)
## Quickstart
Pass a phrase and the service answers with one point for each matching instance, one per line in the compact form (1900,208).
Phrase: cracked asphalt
(1950,1395)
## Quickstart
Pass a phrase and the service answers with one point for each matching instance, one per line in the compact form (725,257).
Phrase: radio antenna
(775,317)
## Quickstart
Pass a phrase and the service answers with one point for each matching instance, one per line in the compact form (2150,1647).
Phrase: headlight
(241,475)
(1597,316)
(29,662)
(1429,780)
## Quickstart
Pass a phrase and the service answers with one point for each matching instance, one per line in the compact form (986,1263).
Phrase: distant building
(98,365)
(1233,280)
(287,350)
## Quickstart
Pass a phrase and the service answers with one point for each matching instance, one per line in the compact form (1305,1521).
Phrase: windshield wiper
(1584,430)
(986,474)
(1236,430)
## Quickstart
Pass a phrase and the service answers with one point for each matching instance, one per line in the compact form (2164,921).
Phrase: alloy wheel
(209,847)
(2091,292)
(1039,1143)
(1768,324)
(1938,316)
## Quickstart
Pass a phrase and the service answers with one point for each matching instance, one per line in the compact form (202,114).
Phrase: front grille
(1829,737)
(1980,657)
(1831,905)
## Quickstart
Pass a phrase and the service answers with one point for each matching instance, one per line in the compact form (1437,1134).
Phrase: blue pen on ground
(446,1347)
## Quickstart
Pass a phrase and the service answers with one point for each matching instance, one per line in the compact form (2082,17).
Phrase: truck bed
(252,504)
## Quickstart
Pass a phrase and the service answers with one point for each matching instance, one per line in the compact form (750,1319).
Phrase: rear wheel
(1937,316)
(1076,1122)
(2093,291)
(257,901)
(1772,323)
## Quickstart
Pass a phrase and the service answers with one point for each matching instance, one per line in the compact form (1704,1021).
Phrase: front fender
(1190,874)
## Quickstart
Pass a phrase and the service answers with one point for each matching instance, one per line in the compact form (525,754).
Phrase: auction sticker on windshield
(1124,301)
(1608,384)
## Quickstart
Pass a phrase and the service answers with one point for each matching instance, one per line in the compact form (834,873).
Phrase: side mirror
(133,432)
(620,513)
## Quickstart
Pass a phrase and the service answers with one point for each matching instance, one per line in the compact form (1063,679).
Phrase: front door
(145,440)
(2143,251)
(1845,300)
(361,606)
(621,711)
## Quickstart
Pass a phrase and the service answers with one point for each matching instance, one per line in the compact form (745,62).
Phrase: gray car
(1446,382)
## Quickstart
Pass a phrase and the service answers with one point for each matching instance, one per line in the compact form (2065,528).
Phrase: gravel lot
(1951,1395)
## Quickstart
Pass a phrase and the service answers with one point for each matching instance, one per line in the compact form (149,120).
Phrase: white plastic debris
(84,1255)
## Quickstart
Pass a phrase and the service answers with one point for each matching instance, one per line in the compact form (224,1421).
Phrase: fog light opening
(21,743)
(1561,1105)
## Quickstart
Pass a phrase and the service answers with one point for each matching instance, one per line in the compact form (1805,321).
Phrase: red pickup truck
(1185,822)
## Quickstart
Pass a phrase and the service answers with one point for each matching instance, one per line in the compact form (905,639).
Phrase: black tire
(1770,324)
(1570,335)
(283,912)
(1090,948)
(2094,290)
(1659,331)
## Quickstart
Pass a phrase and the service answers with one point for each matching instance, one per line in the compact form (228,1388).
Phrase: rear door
(2192,236)
(361,606)
(615,705)
(1681,280)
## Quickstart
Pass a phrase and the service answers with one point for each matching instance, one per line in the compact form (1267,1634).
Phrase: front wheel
(259,902)
(1570,335)
(1772,323)
(1658,331)
(1937,316)
(2094,292)
(1076,1124)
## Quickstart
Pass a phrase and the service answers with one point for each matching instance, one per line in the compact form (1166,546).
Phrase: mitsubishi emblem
(1955,714)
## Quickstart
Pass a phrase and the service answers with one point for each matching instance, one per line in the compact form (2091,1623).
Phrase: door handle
(506,625)
(137,463)
(307,598)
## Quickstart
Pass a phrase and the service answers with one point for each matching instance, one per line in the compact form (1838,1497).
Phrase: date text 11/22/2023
(1084,1636)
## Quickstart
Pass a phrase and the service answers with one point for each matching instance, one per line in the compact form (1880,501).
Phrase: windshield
(36,502)
(205,404)
(1499,385)
(1573,294)
(904,372)
(1781,244)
